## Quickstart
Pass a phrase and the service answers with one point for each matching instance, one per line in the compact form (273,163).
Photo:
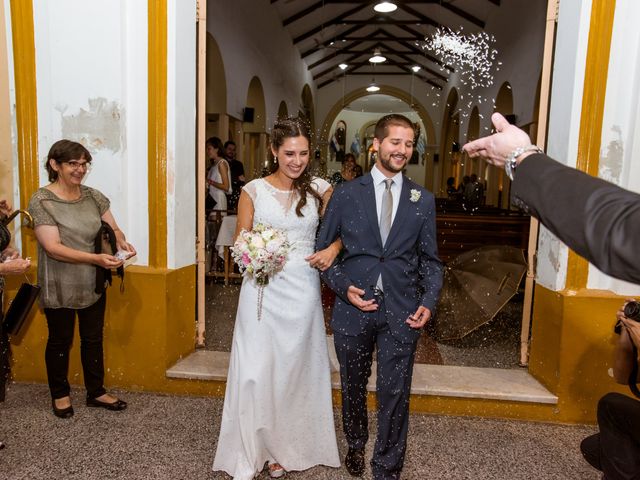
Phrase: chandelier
(473,54)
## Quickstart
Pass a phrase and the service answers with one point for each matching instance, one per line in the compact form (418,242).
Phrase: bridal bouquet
(261,252)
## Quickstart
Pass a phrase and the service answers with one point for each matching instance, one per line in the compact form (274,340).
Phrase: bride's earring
(275,159)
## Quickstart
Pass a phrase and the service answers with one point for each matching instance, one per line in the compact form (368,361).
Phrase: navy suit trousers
(394,372)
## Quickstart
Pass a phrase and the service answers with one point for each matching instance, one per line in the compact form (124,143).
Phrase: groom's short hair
(393,119)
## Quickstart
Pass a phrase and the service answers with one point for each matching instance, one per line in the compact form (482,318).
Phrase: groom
(387,282)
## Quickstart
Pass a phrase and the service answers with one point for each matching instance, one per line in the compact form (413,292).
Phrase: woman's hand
(107,261)
(323,259)
(123,245)
(10,253)
(5,209)
(17,266)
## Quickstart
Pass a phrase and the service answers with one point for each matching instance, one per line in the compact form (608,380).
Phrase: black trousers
(61,323)
(616,449)
(394,372)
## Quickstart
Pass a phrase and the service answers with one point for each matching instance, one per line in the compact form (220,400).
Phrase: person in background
(218,176)
(347,172)
(67,216)
(237,174)
(10,264)
(452,191)
(473,193)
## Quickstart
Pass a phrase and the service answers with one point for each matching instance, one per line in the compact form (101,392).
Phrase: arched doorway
(254,128)
(473,132)
(308,109)
(283,111)
(498,185)
(420,110)
(216,93)
(449,165)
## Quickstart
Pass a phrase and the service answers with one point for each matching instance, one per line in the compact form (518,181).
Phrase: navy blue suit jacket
(409,264)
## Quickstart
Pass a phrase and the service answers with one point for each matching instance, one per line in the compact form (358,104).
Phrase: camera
(632,312)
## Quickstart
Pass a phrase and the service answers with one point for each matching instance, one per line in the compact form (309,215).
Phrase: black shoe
(115,406)
(62,412)
(354,461)
(1,445)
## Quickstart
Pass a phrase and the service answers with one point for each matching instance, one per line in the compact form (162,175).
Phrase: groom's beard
(387,164)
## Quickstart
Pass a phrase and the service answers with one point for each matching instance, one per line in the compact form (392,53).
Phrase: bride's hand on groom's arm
(420,318)
(354,294)
(323,259)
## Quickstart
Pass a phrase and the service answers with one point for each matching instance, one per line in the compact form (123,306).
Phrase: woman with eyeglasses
(67,217)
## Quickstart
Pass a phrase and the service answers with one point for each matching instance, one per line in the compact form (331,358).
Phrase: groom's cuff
(429,303)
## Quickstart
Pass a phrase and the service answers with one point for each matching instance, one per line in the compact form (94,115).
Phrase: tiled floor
(174,437)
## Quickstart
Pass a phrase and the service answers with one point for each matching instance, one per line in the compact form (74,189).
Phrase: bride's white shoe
(276,470)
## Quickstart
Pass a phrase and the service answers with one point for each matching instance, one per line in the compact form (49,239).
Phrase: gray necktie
(386,210)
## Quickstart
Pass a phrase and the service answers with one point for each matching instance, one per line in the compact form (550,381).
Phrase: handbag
(105,242)
(20,307)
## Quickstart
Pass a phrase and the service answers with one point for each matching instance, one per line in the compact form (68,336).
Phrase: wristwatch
(511,162)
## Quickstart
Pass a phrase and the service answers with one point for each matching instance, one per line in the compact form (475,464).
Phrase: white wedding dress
(277,405)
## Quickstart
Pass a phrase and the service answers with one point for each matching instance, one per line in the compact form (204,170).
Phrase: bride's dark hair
(291,128)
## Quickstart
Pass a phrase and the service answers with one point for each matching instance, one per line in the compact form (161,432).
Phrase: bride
(277,405)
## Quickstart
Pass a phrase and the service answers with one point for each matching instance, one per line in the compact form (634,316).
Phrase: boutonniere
(415,195)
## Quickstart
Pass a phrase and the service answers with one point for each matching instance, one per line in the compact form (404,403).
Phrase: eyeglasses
(86,166)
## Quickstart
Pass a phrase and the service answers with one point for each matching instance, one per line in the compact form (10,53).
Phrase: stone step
(441,380)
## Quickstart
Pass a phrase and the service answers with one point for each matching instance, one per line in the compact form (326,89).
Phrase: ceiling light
(343,66)
(415,68)
(377,57)
(373,88)
(385,7)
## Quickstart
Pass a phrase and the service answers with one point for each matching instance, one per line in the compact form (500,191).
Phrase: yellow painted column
(24,55)
(157,133)
(595,87)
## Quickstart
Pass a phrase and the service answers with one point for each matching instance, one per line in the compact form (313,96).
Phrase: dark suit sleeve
(430,264)
(595,218)
(334,276)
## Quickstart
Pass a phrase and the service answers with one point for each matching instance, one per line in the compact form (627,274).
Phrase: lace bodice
(278,208)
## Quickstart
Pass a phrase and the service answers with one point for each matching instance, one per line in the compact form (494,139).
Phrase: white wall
(91,80)
(12,104)
(620,148)
(253,43)
(564,122)
(181,133)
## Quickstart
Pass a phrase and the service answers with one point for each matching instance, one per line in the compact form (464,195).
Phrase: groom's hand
(420,318)
(354,294)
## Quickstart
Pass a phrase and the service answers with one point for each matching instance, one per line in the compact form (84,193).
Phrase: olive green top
(68,285)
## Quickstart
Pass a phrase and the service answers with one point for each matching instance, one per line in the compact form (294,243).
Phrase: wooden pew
(460,232)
